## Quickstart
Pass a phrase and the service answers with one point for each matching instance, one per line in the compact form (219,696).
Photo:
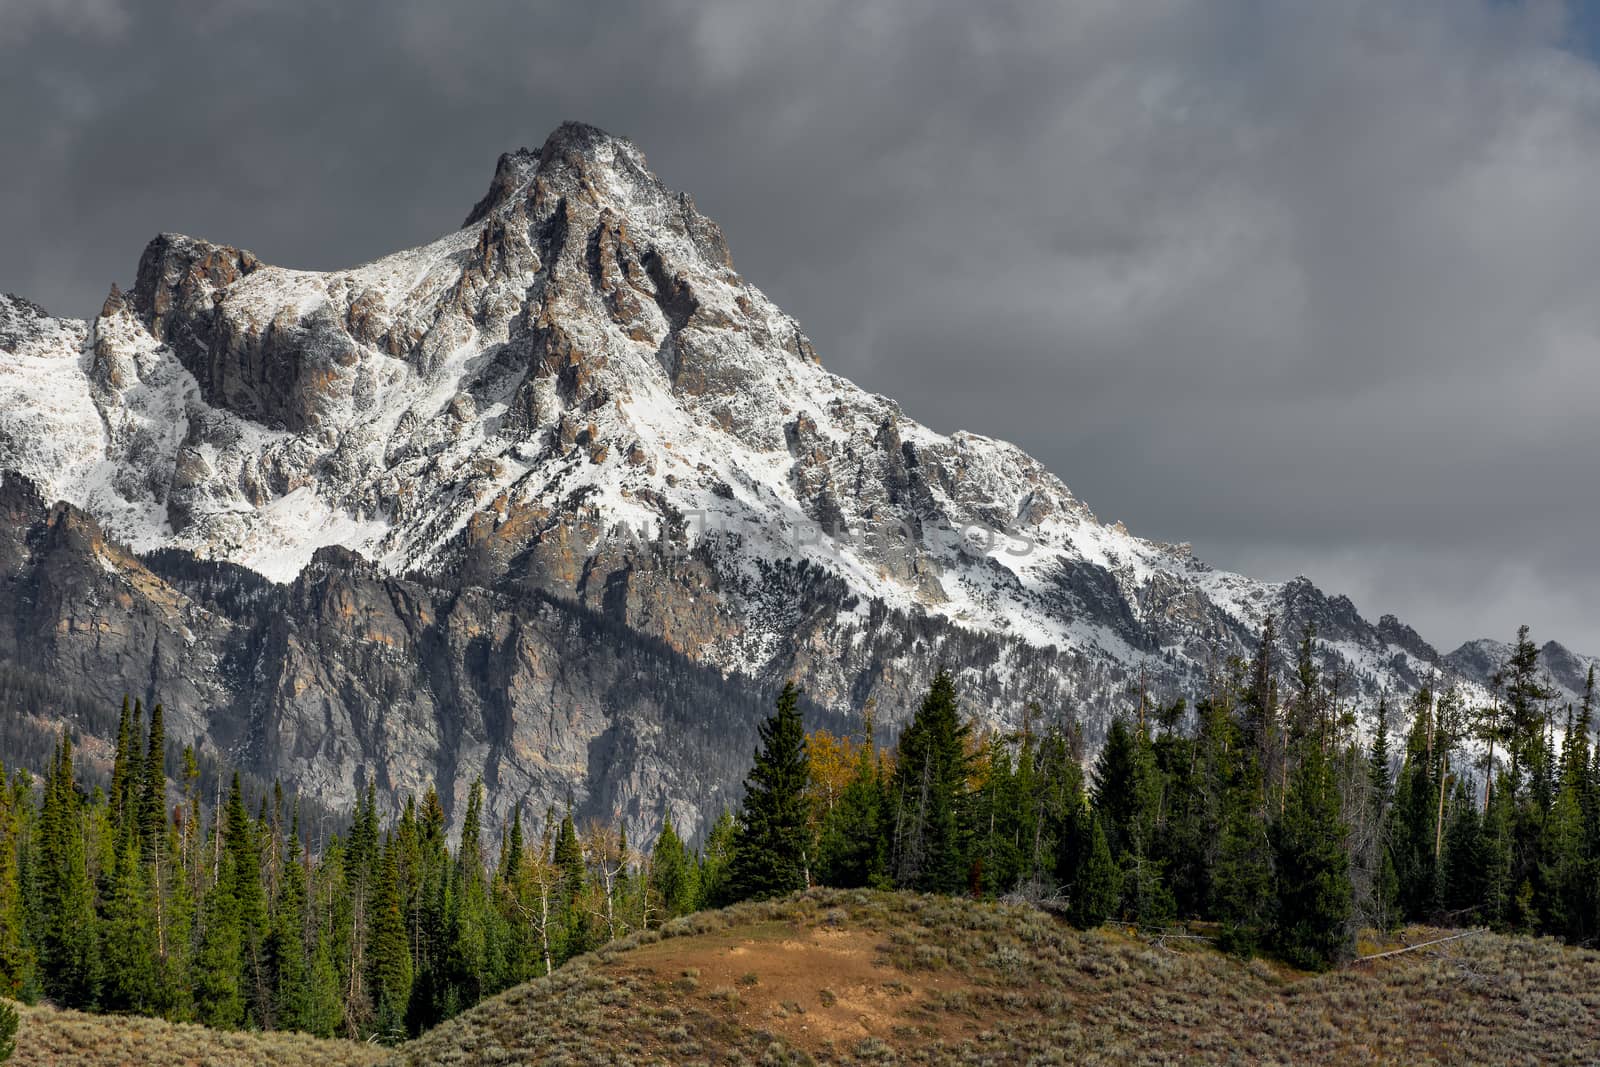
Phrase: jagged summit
(575,398)
(1565,672)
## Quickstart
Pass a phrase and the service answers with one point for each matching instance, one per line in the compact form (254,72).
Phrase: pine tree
(1195,770)
(853,849)
(1463,885)
(286,945)
(1116,789)
(929,792)
(1568,869)
(1378,762)
(1243,891)
(576,936)
(152,781)
(232,979)
(244,846)
(1128,799)
(1096,885)
(128,944)
(470,961)
(1525,696)
(125,766)
(771,849)
(715,887)
(1259,709)
(218,994)
(69,953)
(1499,887)
(672,874)
(1312,868)
(18,972)
(391,953)
(513,848)
(1412,829)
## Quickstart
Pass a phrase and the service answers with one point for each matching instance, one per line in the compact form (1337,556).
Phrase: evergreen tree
(672,874)
(1116,788)
(152,782)
(286,946)
(470,963)
(1464,885)
(391,952)
(1128,794)
(929,791)
(1412,825)
(218,994)
(1378,762)
(512,849)
(1525,695)
(770,855)
(1568,869)
(68,946)
(1499,887)
(1196,773)
(853,849)
(715,882)
(18,973)
(128,948)
(576,935)
(1312,868)
(1259,726)
(1243,891)
(1097,884)
(125,765)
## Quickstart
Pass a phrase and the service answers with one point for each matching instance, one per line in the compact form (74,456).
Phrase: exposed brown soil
(816,987)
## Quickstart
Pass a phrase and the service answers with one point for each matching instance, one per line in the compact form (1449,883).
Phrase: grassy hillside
(858,977)
(50,1037)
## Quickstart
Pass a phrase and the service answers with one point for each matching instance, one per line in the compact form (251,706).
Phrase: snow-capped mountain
(1564,672)
(571,403)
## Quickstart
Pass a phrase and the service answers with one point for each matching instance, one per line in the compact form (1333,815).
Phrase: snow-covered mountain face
(1564,672)
(576,396)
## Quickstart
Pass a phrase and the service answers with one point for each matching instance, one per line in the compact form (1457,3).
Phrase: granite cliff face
(557,500)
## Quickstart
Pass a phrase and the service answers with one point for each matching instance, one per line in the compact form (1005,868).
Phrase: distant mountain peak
(575,399)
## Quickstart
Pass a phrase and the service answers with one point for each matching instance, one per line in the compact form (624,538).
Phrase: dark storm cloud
(1312,285)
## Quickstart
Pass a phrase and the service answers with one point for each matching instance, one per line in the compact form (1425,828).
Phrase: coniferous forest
(1267,806)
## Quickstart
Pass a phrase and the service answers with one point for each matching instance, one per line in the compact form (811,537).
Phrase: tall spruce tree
(929,793)
(18,961)
(128,943)
(69,950)
(716,865)
(286,946)
(391,951)
(1097,883)
(672,874)
(853,850)
(1312,867)
(1243,893)
(125,766)
(771,849)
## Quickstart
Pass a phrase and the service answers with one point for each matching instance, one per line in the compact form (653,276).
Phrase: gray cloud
(1309,284)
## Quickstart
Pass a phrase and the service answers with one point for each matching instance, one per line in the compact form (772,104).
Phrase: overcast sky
(1313,285)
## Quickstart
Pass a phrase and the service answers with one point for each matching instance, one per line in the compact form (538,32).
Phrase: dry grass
(50,1037)
(857,977)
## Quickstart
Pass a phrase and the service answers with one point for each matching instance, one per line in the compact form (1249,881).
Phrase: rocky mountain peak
(569,418)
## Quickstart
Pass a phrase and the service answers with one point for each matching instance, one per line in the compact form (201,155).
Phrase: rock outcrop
(556,500)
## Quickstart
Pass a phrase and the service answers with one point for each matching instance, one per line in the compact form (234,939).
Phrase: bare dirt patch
(813,986)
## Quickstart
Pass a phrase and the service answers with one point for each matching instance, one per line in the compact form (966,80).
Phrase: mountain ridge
(575,398)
